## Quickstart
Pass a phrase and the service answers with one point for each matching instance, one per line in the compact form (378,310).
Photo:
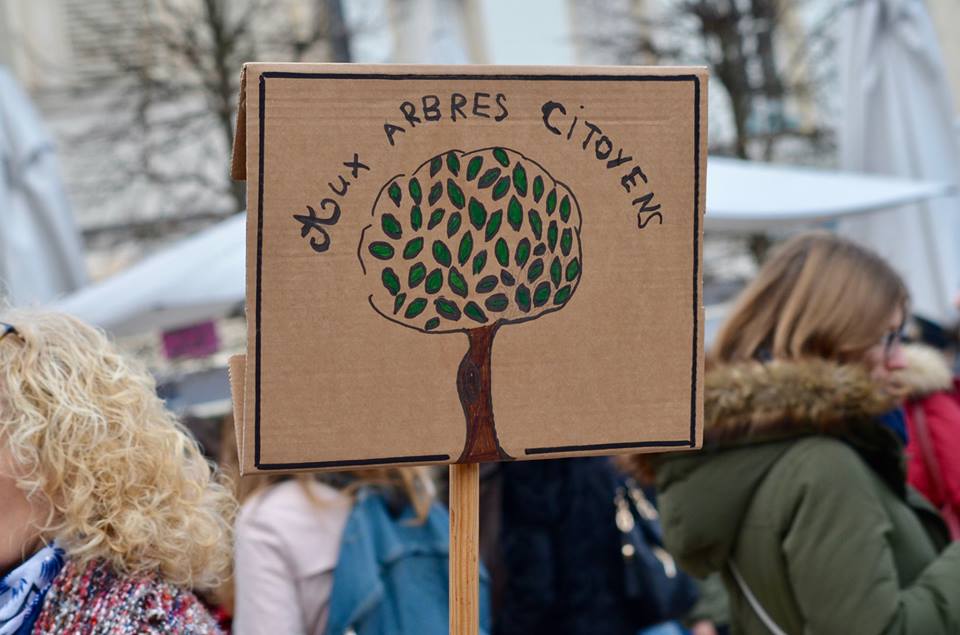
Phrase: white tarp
(898,120)
(41,253)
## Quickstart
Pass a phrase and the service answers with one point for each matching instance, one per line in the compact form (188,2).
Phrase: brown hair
(818,296)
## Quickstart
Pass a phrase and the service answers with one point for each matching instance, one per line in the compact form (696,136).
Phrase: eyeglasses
(890,340)
(8,329)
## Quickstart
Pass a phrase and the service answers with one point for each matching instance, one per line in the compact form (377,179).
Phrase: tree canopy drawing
(468,242)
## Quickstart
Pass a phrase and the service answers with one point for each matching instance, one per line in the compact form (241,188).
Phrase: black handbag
(655,586)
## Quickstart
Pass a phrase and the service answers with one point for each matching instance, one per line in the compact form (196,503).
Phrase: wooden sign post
(464,548)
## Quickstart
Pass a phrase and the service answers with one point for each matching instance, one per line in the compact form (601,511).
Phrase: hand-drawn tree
(466,243)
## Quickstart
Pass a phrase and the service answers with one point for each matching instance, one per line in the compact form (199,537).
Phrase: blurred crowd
(826,498)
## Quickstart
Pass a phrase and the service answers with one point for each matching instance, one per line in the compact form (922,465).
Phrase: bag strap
(754,602)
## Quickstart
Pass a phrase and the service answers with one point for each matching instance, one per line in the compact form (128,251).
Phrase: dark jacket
(806,494)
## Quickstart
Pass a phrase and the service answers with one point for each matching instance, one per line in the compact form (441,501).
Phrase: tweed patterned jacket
(95,600)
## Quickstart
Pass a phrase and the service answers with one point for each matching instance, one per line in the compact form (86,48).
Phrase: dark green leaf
(413,248)
(395,193)
(552,235)
(497,302)
(536,268)
(453,224)
(435,193)
(551,202)
(493,225)
(466,248)
(523,298)
(573,270)
(541,294)
(539,250)
(507,278)
(566,241)
(535,223)
(398,302)
(416,218)
(381,250)
(501,156)
(502,252)
(434,281)
(565,209)
(447,309)
(562,295)
(415,308)
(435,218)
(441,253)
(431,324)
(390,280)
(556,272)
(487,284)
(455,194)
(478,213)
(435,164)
(501,188)
(456,282)
(474,167)
(479,262)
(489,178)
(515,213)
(520,179)
(453,163)
(537,189)
(522,253)
(415,192)
(417,273)
(391,226)
(474,312)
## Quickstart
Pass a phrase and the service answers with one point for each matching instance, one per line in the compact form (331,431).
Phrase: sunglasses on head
(8,329)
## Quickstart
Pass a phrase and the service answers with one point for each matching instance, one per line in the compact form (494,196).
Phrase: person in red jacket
(933,430)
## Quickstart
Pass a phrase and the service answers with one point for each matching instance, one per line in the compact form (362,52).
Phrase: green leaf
(541,294)
(520,179)
(391,226)
(489,178)
(536,268)
(415,308)
(507,278)
(466,248)
(552,235)
(415,192)
(556,272)
(515,213)
(493,225)
(522,253)
(501,188)
(413,248)
(395,193)
(390,281)
(535,223)
(381,250)
(551,202)
(474,312)
(473,167)
(431,324)
(416,218)
(502,252)
(435,218)
(455,194)
(398,302)
(501,156)
(573,270)
(523,298)
(479,262)
(453,224)
(435,193)
(539,250)
(434,281)
(478,213)
(435,164)
(566,241)
(417,273)
(447,309)
(453,163)
(497,302)
(487,284)
(456,282)
(565,209)
(562,295)
(537,189)
(441,253)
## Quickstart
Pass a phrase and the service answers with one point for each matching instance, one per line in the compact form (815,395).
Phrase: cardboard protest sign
(460,264)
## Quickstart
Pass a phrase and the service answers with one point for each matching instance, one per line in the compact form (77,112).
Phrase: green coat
(805,492)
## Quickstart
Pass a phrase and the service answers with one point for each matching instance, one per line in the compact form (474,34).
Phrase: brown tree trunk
(473,385)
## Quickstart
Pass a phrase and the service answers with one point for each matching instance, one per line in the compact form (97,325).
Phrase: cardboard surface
(470,263)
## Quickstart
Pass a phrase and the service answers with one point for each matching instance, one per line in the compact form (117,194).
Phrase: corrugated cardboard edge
(236,370)
(238,162)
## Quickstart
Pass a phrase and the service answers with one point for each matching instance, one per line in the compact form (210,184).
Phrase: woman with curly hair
(110,513)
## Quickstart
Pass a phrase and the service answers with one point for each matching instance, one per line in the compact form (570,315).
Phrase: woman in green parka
(799,497)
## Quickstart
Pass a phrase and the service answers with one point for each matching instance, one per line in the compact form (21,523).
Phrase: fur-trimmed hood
(927,371)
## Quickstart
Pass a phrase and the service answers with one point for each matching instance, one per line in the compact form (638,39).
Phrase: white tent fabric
(898,120)
(749,196)
(41,253)
(197,279)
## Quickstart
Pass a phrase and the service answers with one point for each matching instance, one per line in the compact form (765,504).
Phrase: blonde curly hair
(122,479)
